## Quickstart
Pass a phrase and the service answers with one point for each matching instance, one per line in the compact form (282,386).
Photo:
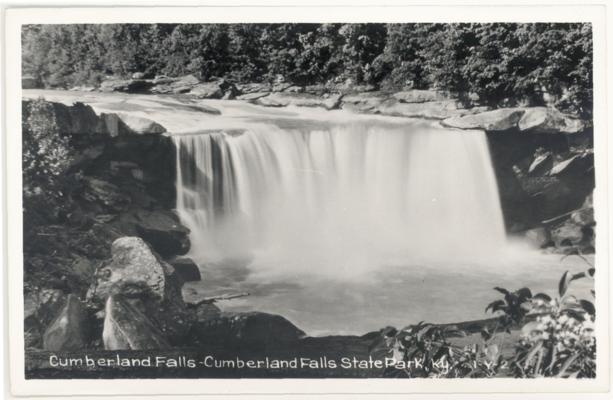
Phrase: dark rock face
(40,308)
(127,328)
(68,331)
(163,231)
(186,269)
(252,328)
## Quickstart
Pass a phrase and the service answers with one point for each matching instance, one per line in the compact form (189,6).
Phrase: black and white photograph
(258,200)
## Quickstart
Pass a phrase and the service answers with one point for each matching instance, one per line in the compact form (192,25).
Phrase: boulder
(549,120)
(418,96)
(496,120)
(127,328)
(104,193)
(40,308)
(250,328)
(207,90)
(138,75)
(134,270)
(299,99)
(540,237)
(114,125)
(186,269)
(163,231)
(68,329)
(141,125)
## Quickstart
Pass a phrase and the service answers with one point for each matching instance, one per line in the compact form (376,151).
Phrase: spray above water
(339,199)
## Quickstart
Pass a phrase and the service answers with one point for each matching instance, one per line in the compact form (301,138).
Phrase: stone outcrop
(68,331)
(127,328)
(141,125)
(284,99)
(537,120)
(496,120)
(40,308)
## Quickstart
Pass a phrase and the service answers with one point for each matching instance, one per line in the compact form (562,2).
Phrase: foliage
(46,154)
(556,340)
(501,64)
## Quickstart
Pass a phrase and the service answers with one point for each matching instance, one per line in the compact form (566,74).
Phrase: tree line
(501,63)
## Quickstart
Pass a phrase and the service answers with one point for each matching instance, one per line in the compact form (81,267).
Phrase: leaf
(502,290)
(588,306)
(524,293)
(542,296)
(563,285)
(567,364)
(591,271)
(577,276)
(495,305)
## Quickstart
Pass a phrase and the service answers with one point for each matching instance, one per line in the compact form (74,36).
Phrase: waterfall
(338,197)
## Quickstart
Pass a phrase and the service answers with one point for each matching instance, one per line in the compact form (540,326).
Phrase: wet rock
(186,269)
(299,99)
(549,120)
(68,329)
(127,328)
(496,120)
(540,237)
(163,231)
(251,328)
(419,96)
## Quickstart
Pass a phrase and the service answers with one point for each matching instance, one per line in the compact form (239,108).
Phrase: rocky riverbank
(105,270)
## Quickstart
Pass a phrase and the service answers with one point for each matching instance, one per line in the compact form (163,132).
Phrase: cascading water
(338,198)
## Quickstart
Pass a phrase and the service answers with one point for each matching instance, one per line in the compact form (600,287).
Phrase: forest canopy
(501,63)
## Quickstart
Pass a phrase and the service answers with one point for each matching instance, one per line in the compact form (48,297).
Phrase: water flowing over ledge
(341,198)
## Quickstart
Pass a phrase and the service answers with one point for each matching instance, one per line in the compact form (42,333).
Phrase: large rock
(68,331)
(418,96)
(284,99)
(127,328)
(163,231)
(114,125)
(251,328)
(247,88)
(549,120)
(186,269)
(41,306)
(134,270)
(207,90)
(496,120)
(141,125)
